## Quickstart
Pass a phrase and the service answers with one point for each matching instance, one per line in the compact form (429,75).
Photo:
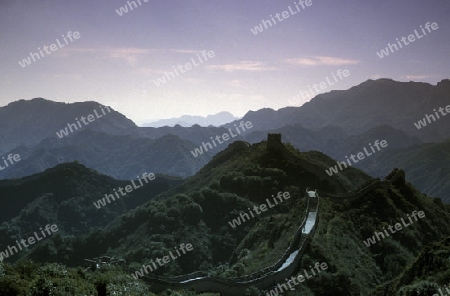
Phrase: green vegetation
(426,274)
(32,279)
(434,159)
(198,212)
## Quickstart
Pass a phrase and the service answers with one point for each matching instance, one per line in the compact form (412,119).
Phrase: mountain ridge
(347,110)
(336,123)
(190,120)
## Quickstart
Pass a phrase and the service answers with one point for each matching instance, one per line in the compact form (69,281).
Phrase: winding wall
(393,177)
(288,263)
(263,279)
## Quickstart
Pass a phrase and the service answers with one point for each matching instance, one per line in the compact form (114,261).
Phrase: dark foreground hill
(429,273)
(65,196)
(427,165)
(243,175)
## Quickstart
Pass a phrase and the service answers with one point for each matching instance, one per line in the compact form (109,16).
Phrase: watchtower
(274,142)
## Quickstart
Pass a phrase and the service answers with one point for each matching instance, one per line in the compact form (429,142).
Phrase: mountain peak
(443,85)
(189,120)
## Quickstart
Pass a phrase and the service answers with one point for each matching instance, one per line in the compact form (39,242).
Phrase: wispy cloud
(186,51)
(149,71)
(416,77)
(129,54)
(71,51)
(234,83)
(320,61)
(242,66)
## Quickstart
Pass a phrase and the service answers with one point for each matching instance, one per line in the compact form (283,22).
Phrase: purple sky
(117,58)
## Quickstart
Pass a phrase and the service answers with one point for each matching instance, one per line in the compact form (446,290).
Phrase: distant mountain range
(338,123)
(365,106)
(119,156)
(189,120)
(26,123)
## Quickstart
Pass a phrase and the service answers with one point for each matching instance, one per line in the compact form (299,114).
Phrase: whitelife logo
(11,250)
(297,280)
(12,160)
(124,9)
(281,16)
(101,202)
(371,240)
(423,123)
(360,155)
(72,126)
(183,69)
(166,259)
(225,137)
(262,208)
(411,38)
(318,88)
(33,55)
(441,293)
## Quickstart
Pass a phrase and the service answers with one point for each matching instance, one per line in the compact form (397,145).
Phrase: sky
(116,59)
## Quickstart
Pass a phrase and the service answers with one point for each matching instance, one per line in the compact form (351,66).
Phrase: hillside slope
(427,167)
(65,196)
(198,212)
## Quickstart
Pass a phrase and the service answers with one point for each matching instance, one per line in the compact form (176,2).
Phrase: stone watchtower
(274,142)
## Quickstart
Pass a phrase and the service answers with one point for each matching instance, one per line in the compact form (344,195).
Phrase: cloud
(234,83)
(242,66)
(416,77)
(187,51)
(129,54)
(320,61)
(72,50)
(149,71)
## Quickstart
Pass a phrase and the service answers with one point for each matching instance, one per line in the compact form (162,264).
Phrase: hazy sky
(116,58)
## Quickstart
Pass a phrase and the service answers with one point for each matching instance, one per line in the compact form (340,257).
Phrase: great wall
(288,263)
(263,279)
